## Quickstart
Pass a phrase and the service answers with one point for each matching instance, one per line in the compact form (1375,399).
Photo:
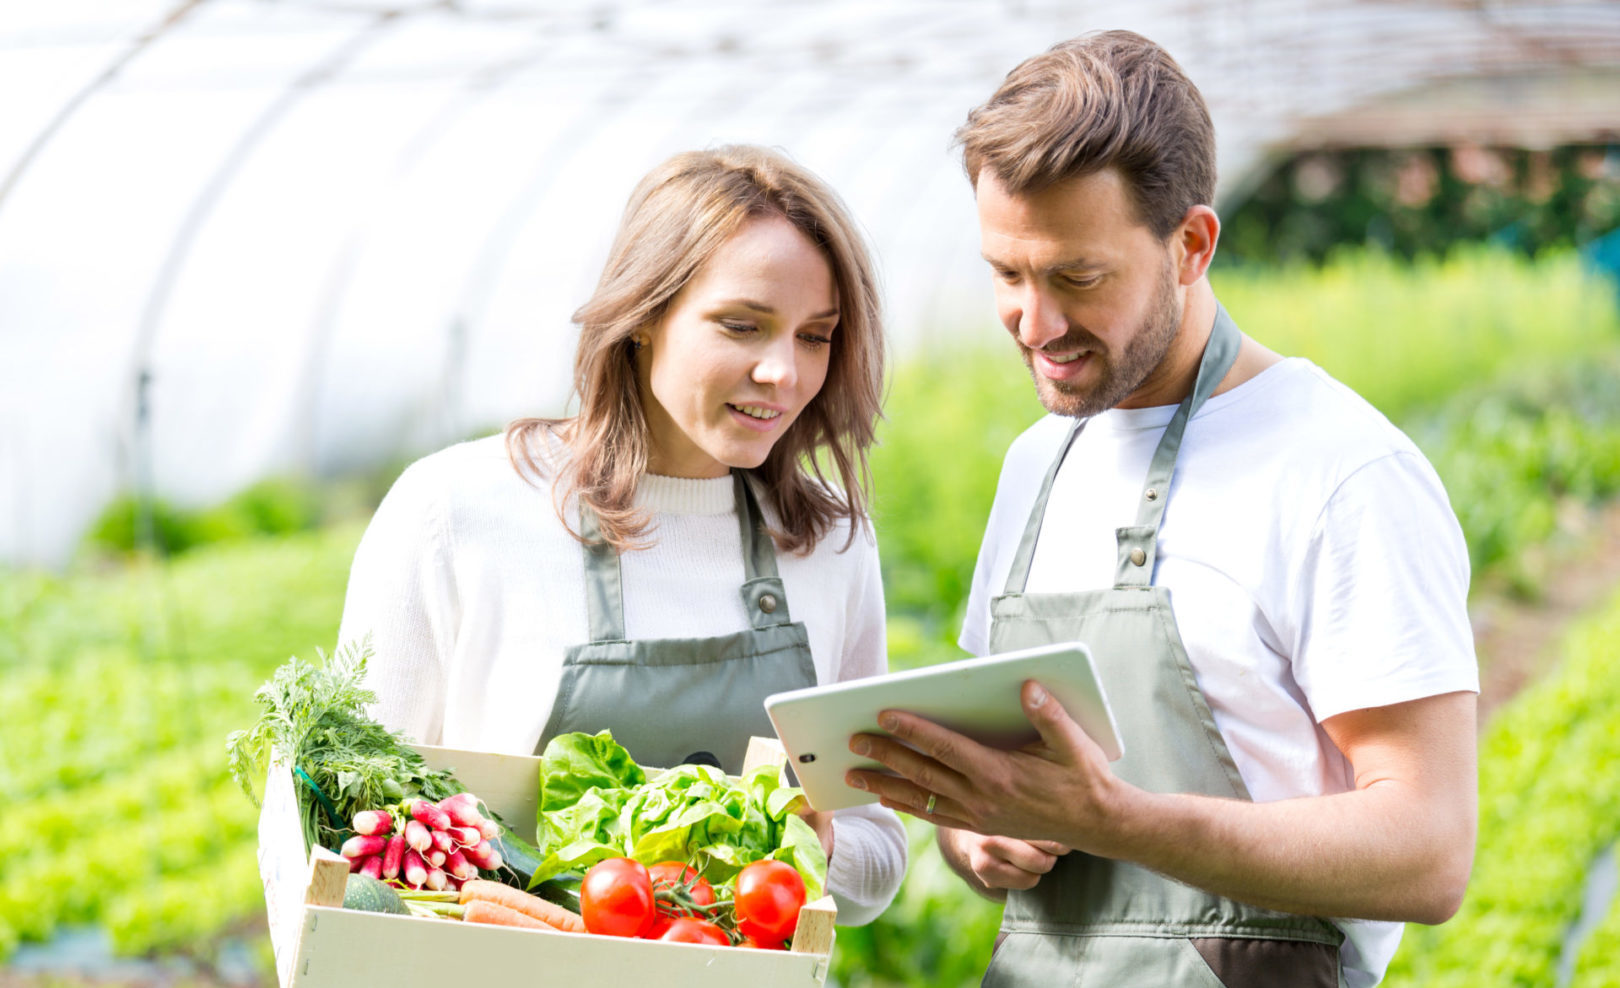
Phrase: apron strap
(604,583)
(763,595)
(1018,575)
(1139,544)
(759,551)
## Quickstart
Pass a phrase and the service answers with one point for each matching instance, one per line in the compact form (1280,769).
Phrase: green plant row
(108,720)
(1598,962)
(278,506)
(1408,335)
(116,691)
(1549,804)
(1524,459)
(116,851)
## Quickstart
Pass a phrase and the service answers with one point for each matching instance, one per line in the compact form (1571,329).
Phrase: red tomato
(769,895)
(661,923)
(616,898)
(675,875)
(689,930)
(765,944)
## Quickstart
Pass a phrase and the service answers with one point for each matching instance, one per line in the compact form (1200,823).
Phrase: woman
(663,561)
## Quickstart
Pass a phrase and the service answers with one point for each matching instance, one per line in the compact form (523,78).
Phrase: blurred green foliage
(1417,202)
(937,933)
(1549,803)
(273,506)
(949,419)
(276,506)
(1523,459)
(117,687)
(1408,337)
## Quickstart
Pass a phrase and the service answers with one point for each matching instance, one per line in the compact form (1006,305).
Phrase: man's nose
(1040,319)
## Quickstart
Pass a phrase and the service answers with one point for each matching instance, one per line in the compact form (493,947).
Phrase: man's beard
(1143,353)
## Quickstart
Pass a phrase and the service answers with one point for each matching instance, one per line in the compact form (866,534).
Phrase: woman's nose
(778,365)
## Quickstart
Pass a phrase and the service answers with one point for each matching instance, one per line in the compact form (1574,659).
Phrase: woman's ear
(1196,238)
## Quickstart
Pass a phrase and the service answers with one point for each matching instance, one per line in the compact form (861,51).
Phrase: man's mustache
(1074,339)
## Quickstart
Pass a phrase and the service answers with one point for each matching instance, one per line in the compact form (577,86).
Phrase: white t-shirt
(1313,562)
(472,592)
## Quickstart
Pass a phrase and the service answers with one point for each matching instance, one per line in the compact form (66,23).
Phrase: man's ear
(1196,237)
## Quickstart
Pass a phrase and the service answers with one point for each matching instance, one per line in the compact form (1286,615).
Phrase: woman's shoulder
(474,470)
(849,541)
(468,460)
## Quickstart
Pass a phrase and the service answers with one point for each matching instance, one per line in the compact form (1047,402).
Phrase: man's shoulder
(1037,445)
(1297,410)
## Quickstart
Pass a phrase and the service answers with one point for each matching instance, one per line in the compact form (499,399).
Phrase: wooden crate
(318,944)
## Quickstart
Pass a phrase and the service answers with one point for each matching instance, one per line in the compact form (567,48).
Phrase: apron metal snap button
(1138,557)
(767,602)
(1152,495)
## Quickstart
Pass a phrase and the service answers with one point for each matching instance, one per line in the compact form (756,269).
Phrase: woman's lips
(757,424)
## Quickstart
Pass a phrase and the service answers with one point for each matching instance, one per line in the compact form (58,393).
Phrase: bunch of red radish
(423,844)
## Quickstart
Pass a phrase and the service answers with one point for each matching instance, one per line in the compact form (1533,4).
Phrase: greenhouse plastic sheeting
(242,238)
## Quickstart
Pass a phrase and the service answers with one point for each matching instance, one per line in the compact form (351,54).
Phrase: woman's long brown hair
(677,217)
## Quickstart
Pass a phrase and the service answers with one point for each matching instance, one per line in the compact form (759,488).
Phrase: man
(1267,572)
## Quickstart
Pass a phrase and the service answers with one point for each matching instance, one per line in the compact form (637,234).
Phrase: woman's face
(741,351)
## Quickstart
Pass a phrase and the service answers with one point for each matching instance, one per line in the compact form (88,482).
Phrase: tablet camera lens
(807,758)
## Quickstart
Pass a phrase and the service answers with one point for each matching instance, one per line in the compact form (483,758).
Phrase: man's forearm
(1373,853)
(1398,846)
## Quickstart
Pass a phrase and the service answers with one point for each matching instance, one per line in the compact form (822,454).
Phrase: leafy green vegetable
(597,803)
(314,719)
(570,770)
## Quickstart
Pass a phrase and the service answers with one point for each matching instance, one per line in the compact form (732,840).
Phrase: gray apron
(1097,922)
(670,701)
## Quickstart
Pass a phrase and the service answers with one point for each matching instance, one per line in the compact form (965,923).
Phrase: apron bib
(670,701)
(1095,921)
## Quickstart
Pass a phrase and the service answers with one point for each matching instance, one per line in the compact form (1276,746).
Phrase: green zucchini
(366,894)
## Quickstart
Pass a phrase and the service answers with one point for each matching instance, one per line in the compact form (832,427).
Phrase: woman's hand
(822,824)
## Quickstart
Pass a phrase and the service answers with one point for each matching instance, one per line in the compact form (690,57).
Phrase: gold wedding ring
(929,809)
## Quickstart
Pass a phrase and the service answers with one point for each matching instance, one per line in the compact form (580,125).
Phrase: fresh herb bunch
(314,720)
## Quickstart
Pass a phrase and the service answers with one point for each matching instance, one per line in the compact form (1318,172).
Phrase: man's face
(1088,292)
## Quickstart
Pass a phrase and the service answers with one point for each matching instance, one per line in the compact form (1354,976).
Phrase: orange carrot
(495,914)
(532,906)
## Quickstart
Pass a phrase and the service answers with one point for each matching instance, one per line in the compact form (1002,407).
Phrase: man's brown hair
(1112,99)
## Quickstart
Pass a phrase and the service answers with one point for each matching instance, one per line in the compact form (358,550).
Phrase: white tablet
(976,697)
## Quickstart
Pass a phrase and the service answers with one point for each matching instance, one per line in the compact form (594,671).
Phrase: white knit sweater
(472,591)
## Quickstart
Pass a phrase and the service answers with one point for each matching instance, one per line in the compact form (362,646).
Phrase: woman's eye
(814,340)
(737,327)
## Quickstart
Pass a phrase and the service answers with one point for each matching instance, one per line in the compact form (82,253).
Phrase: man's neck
(1173,379)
